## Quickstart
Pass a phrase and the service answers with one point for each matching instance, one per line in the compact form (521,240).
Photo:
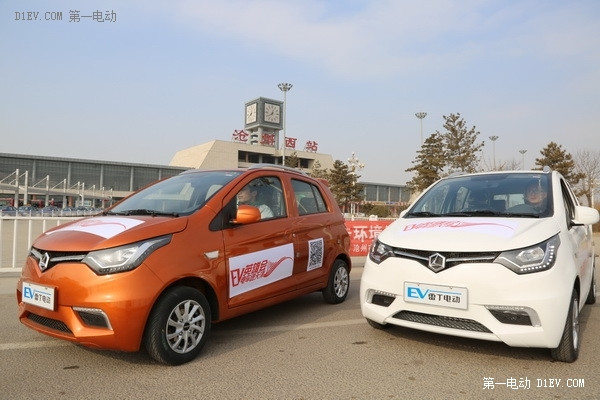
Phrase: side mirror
(585,216)
(246,214)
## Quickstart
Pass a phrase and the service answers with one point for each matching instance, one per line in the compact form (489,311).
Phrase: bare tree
(509,165)
(587,163)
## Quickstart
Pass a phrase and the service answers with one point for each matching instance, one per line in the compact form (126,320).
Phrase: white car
(475,257)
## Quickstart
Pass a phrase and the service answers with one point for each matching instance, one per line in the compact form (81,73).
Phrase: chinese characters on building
(268,139)
(240,136)
(290,143)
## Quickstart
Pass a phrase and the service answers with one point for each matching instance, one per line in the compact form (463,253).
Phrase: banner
(362,234)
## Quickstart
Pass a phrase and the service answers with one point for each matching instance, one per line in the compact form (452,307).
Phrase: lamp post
(284,87)
(355,166)
(421,115)
(493,138)
(523,158)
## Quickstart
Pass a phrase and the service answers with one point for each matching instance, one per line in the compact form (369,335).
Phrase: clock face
(272,113)
(251,113)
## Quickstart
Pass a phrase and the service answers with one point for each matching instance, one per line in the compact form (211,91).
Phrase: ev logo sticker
(416,292)
(28,293)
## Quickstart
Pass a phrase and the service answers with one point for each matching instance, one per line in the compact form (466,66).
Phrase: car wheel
(568,348)
(377,325)
(338,284)
(591,299)
(178,326)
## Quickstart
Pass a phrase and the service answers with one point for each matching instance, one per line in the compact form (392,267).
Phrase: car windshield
(500,194)
(180,195)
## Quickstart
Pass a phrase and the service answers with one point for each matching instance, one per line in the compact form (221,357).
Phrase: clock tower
(263,116)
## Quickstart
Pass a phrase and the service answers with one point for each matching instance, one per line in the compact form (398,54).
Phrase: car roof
(255,167)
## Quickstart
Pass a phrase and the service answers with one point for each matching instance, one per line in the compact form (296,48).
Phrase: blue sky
(170,75)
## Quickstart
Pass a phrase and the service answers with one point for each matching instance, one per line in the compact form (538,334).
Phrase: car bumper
(107,312)
(520,310)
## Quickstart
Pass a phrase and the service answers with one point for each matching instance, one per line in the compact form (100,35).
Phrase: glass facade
(126,177)
(389,194)
(76,174)
(87,173)
(117,177)
(8,166)
(143,176)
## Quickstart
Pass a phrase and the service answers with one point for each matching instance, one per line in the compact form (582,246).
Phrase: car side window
(308,198)
(266,194)
(568,202)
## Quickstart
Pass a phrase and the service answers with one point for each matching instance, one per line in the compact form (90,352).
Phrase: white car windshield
(495,194)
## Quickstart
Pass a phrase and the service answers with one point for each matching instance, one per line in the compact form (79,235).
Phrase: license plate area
(39,295)
(436,295)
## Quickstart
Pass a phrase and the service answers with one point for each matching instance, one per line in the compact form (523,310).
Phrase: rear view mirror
(246,214)
(585,216)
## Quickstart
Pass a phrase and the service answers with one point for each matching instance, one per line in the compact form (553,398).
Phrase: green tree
(429,163)
(380,210)
(344,186)
(555,157)
(291,160)
(318,172)
(461,144)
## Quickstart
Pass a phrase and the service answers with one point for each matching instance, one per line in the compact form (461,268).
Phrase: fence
(17,234)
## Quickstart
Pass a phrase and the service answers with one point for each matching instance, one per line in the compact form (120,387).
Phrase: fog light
(383,299)
(93,317)
(515,315)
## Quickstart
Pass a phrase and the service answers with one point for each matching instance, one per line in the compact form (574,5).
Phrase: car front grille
(49,323)
(48,259)
(451,258)
(439,320)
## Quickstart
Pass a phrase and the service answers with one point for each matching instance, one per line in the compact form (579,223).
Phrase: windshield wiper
(521,215)
(423,214)
(475,213)
(143,211)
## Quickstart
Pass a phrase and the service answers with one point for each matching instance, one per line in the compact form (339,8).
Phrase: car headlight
(540,257)
(123,258)
(380,252)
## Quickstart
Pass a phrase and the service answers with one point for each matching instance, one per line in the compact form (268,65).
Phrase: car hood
(101,232)
(467,234)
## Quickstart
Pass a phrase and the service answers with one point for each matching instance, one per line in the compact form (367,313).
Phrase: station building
(43,180)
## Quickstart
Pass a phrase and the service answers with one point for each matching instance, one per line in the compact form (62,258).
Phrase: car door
(580,238)
(259,256)
(311,232)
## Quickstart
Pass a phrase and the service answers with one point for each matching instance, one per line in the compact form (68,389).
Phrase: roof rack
(276,166)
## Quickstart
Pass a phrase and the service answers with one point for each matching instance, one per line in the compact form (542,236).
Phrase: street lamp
(523,158)
(421,115)
(355,166)
(284,87)
(493,139)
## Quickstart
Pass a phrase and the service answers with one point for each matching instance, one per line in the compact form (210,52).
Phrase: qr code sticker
(315,254)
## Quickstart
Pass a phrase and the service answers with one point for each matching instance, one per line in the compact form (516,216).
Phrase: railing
(18,233)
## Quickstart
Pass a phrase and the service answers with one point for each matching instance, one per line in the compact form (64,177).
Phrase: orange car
(162,265)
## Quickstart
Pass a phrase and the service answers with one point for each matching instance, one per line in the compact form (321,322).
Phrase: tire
(338,283)
(377,325)
(591,298)
(178,326)
(568,348)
